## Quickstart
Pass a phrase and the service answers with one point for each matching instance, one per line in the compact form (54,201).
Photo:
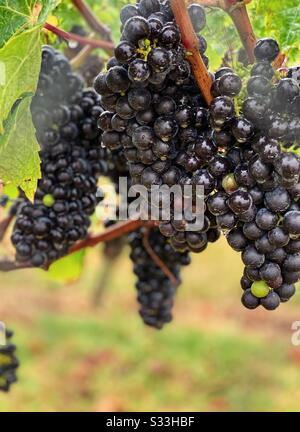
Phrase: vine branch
(191,43)
(7,265)
(240,17)
(156,259)
(111,233)
(106,45)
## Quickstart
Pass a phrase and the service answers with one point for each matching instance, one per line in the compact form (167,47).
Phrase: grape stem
(111,233)
(190,41)
(280,61)
(106,45)
(7,265)
(240,17)
(156,259)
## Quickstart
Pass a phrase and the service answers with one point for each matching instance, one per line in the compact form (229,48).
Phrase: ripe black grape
(8,363)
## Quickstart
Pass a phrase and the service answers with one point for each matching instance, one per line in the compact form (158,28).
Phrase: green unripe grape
(260,289)
(48,200)
(229,184)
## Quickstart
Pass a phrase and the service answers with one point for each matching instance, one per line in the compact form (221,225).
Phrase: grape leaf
(67,269)
(19,15)
(19,158)
(20,61)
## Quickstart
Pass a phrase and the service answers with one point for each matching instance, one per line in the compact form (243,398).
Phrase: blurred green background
(215,356)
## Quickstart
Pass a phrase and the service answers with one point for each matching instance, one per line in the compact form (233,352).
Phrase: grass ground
(214,356)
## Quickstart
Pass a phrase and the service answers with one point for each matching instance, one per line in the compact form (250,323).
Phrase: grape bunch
(156,114)
(8,363)
(170,136)
(154,111)
(257,206)
(155,290)
(65,116)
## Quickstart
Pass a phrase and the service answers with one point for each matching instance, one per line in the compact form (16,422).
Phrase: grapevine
(155,114)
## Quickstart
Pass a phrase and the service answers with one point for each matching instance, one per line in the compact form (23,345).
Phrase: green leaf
(67,269)
(11,191)
(19,15)
(20,62)
(19,158)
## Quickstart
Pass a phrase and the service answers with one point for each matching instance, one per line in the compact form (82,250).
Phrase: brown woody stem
(280,61)
(82,40)
(244,27)
(156,259)
(7,265)
(111,233)
(190,41)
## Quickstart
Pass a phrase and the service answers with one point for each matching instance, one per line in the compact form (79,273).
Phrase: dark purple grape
(135,29)
(159,59)
(139,71)
(169,36)
(198,17)
(237,240)
(125,52)
(128,12)
(222,109)
(139,98)
(263,68)
(165,128)
(291,222)
(249,301)
(230,85)
(252,258)
(258,85)
(266,49)
(117,79)
(271,302)
(239,202)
